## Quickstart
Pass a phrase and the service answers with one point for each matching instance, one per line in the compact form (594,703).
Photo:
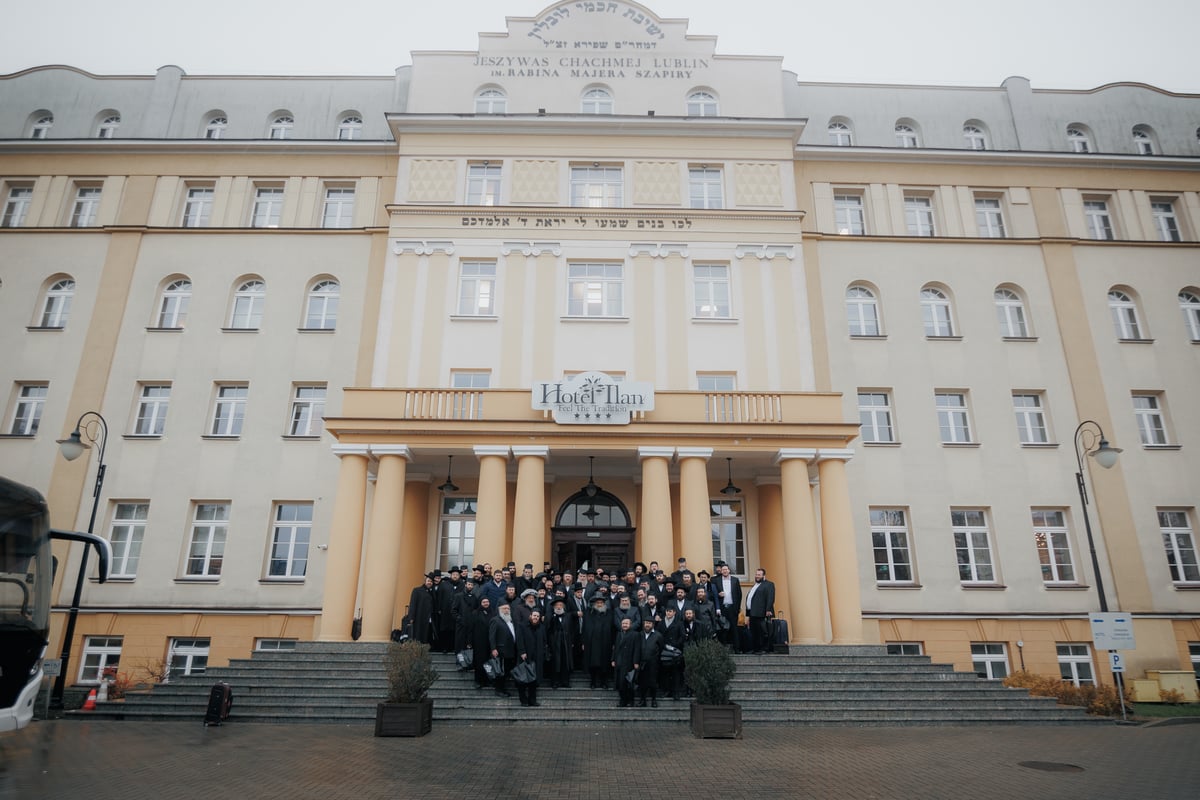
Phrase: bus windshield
(25,570)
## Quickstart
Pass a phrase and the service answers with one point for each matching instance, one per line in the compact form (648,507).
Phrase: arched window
(1125,318)
(974,136)
(281,126)
(248,301)
(593,508)
(491,101)
(107,128)
(215,127)
(1010,313)
(936,312)
(840,133)
(1189,304)
(701,104)
(1143,140)
(350,127)
(56,306)
(40,127)
(173,306)
(862,311)
(906,134)
(1078,139)
(322,307)
(597,101)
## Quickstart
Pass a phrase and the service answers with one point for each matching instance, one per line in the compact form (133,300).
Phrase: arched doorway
(592,527)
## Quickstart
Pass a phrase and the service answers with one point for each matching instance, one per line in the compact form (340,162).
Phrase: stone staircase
(858,685)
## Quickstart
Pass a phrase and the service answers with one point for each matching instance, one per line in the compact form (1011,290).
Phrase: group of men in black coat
(616,627)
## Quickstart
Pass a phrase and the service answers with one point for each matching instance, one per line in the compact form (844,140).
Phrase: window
(596,101)
(905,649)
(41,126)
(274,645)
(281,127)
(1147,409)
(990,659)
(953,417)
(1124,315)
(936,312)
(719,388)
(339,207)
(711,284)
(704,187)
(848,215)
(187,657)
(596,186)
(1143,141)
(197,207)
(1099,222)
(215,127)
(491,101)
(320,313)
(456,539)
(56,307)
(840,134)
(248,303)
(971,542)
(308,407)
(875,416)
(974,137)
(1078,140)
(206,550)
(862,312)
(107,128)
(268,206)
(701,104)
(27,411)
(1031,420)
(289,542)
(229,410)
(477,288)
(918,215)
(16,206)
(595,290)
(1166,224)
(906,135)
(1189,304)
(468,403)
(989,217)
(173,306)
(1180,546)
(99,654)
(87,203)
(1075,663)
(728,533)
(1010,313)
(128,530)
(153,403)
(1053,546)
(483,184)
(470,379)
(889,539)
(350,127)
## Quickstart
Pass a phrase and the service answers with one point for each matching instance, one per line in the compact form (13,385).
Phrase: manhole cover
(1051,766)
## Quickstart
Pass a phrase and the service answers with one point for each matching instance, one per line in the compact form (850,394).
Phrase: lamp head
(72,447)
(1105,454)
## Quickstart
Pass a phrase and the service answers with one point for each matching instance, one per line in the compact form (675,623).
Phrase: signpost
(51,668)
(1112,631)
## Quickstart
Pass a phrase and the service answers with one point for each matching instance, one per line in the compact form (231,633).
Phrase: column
(384,542)
(801,550)
(492,512)
(695,517)
(655,540)
(345,544)
(770,547)
(529,515)
(841,557)
(414,541)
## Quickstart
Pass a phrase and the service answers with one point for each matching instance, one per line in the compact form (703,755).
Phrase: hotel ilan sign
(593,398)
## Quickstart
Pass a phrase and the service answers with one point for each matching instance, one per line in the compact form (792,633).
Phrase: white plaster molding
(531,248)
(658,249)
(519,451)
(482,450)
(790,453)
(694,452)
(340,450)
(422,248)
(379,450)
(657,452)
(765,252)
(832,454)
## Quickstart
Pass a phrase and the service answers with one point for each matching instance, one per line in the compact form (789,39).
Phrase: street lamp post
(1098,448)
(96,431)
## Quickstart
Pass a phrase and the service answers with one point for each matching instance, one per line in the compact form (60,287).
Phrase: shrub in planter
(708,668)
(408,710)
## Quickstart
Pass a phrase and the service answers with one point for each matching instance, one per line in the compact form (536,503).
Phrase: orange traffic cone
(90,704)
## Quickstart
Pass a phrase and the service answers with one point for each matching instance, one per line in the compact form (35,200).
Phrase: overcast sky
(1070,44)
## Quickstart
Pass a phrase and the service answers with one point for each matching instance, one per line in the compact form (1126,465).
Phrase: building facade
(595,273)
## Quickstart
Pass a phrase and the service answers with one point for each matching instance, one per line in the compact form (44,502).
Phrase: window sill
(1018,338)
(960,444)
(45,327)
(869,336)
(116,579)
(18,435)
(898,586)
(281,581)
(715,320)
(289,437)
(214,437)
(987,587)
(1135,341)
(929,338)
(1187,587)
(199,579)
(164,330)
(239,330)
(474,318)
(1040,445)
(1162,447)
(1066,587)
(316,330)
(879,444)
(142,436)
(607,320)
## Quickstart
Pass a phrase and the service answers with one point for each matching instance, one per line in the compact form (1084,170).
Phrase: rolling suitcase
(779,636)
(220,700)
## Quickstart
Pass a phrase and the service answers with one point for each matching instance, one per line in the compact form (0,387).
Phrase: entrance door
(611,550)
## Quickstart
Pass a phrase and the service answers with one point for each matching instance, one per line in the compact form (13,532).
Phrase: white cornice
(592,124)
(1006,158)
(358,147)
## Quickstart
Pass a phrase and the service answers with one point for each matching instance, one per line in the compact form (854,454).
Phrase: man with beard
(672,632)
(626,610)
(650,643)
(760,608)
(706,612)
(520,610)
(502,639)
(729,603)
(598,642)
(494,589)
(465,603)
(447,590)
(531,648)
(481,618)
(626,655)
(526,580)
(560,639)
(420,610)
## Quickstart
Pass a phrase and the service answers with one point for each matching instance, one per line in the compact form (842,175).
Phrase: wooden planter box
(717,722)
(404,719)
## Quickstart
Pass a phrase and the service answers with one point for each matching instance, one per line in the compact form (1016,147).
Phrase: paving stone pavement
(66,760)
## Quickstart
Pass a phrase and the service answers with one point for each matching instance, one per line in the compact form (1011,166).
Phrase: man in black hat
(671,675)
(447,590)
(526,580)
(677,575)
(465,603)
(728,598)
(651,644)
(420,610)
(561,642)
(626,655)
(531,648)
(598,641)
(502,636)
(760,610)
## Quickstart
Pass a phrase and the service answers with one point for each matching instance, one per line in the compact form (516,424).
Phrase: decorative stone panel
(431,181)
(656,183)
(535,182)
(757,185)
